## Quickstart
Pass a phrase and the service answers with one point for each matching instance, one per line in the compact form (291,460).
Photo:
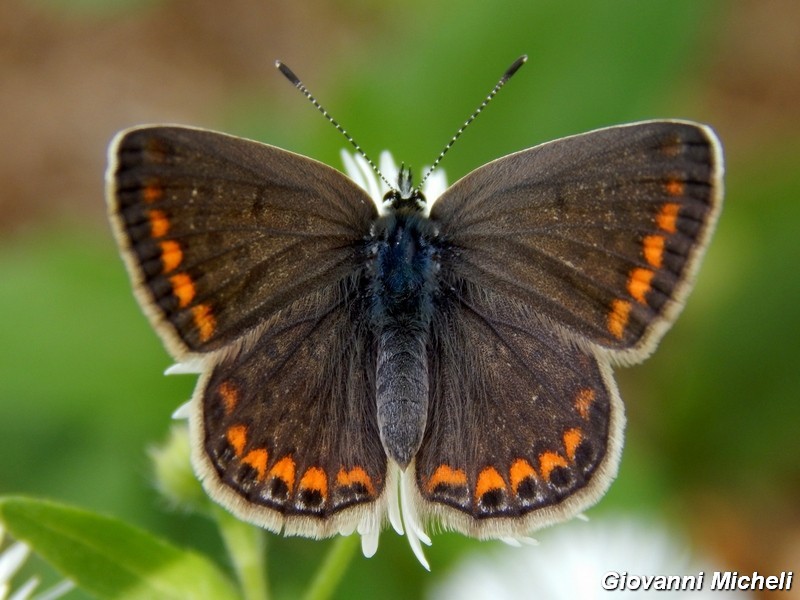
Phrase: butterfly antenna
(289,74)
(506,76)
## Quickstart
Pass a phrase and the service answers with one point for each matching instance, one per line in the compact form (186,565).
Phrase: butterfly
(448,363)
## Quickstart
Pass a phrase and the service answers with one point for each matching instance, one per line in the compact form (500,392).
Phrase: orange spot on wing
(654,250)
(204,321)
(230,396)
(156,149)
(356,475)
(583,401)
(171,255)
(446,475)
(667,217)
(672,147)
(315,479)
(520,470)
(639,284)
(258,460)
(489,479)
(284,470)
(237,438)
(152,192)
(675,187)
(618,317)
(549,461)
(159,223)
(183,288)
(572,439)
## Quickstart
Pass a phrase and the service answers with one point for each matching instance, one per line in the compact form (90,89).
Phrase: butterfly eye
(414,202)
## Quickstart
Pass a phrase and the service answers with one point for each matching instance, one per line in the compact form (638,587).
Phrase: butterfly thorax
(403,268)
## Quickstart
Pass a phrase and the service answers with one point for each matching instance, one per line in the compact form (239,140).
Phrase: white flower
(11,559)
(573,561)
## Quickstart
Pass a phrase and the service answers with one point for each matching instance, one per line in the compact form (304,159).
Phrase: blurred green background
(712,440)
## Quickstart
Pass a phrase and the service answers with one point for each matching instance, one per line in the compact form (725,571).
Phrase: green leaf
(109,558)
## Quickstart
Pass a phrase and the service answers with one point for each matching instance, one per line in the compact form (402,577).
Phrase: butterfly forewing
(599,233)
(220,232)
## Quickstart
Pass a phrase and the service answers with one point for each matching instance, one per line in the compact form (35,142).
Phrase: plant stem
(247,548)
(333,568)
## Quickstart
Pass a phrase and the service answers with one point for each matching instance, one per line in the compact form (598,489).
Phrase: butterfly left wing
(249,261)
(219,232)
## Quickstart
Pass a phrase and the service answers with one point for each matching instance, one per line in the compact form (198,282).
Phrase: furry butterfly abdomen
(403,269)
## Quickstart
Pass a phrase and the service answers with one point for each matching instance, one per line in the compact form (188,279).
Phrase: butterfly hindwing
(285,431)
(599,233)
(524,428)
(219,232)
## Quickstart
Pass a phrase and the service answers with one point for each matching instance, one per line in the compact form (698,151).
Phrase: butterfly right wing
(555,262)
(601,233)
(250,260)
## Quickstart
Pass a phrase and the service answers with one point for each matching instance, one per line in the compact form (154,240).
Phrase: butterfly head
(406,198)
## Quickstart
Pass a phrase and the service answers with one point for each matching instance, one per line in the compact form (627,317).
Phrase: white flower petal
(389,168)
(352,170)
(11,560)
(518,542)
(25,590)
(434,187)
(184,411)
(393,489)
(56,591)
(373,186)
(360,171)
(369,542)
(511,541)
(192,366)
(414,531)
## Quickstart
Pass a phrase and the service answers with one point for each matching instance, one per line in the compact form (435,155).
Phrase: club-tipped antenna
(289,74)
(506,76)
